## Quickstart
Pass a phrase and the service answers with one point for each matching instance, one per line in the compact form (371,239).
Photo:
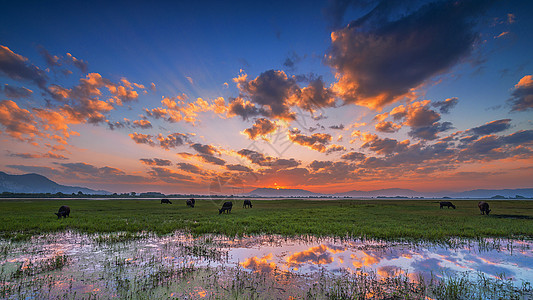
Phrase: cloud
(205,149)
(267,161)
(144,124)
(190,168)
(45,171)
(446,105)
(156,162)
(379,58)
(211,159)
(492,127)
(273,93)
(240,168)
(172,140)
(382,146)
(354,156)
(17,68)
(430,132)
(17,92)
(335,148)
(17,122)
(78,63)
(387,126)
(177,109)
(51,60)
(49,154)
(522,95)
(270,90)
(168,175)
(140,138)
(261,127)
(316,141)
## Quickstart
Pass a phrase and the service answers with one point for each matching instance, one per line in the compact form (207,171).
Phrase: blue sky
(323,95)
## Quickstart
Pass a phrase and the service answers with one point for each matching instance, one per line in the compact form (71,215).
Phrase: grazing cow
(226,207)
(64,211)
(484,207)
(191,202)
(446,203)
(247,203)
(165,201)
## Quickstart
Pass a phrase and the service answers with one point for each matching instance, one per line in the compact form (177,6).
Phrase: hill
(35,183)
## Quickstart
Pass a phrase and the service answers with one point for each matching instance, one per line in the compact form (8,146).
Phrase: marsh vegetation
(374,219)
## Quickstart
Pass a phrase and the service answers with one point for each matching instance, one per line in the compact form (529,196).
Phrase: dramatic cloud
(380,57)
(17,122)
(522,95)
(177,109)
(261,127)
(446,105)
(316,141)
(17,92)
(387,126)
(430,132)
(268,161)
(492,127)
(273,93)
(353,156)
(382,146)
(240,168)
(144,124)
(49,154)
(17,68)
(205,149)
(140,138)
(190,168)
(156,162)
(168,175)
(172,140)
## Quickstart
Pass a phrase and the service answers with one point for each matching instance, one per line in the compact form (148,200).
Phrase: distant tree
(133,194)
(80,193)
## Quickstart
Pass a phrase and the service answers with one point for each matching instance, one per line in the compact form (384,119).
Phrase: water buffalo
(165,201)
(226,207)
(446,203)
(64,211)
(191,202)
(247,203)
(483,207)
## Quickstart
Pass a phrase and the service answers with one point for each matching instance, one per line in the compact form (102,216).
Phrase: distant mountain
(528,193)
(35,183)
(393,192)
(269,192)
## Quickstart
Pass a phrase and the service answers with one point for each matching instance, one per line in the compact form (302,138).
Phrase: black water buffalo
(191,202)
(446,203)
(64,211)
(165,201)
(226,207)
(247,203)
(483,207)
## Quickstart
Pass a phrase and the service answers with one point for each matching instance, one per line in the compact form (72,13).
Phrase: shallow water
(72,264)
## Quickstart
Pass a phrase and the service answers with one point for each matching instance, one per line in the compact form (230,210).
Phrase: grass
(374,219)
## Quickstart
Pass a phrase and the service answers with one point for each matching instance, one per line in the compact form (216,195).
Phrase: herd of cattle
(64,211)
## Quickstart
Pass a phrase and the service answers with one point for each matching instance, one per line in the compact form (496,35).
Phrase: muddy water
(177,266)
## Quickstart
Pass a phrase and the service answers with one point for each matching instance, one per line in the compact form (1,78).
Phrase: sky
(217,97)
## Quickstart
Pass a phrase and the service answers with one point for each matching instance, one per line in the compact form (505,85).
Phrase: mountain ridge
(35,183)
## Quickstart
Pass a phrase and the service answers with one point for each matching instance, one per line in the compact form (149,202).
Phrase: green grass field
(380,219)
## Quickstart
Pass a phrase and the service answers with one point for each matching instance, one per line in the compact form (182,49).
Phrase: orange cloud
(259,264)
(17,122)
(261,127)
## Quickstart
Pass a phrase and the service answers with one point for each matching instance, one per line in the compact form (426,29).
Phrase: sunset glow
(216,97)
